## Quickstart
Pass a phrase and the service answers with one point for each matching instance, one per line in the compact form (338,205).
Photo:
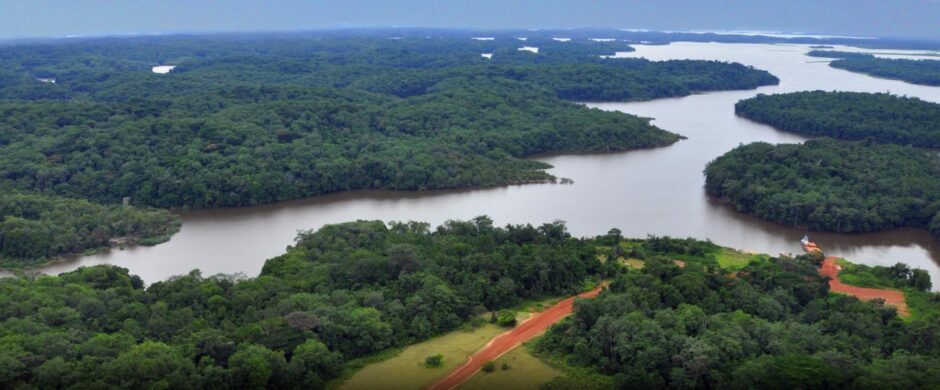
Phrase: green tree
(257,367)
(151,365)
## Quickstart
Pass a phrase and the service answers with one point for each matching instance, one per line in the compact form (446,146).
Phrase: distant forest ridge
(632,35)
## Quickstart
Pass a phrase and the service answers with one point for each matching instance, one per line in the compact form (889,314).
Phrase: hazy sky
(41,18)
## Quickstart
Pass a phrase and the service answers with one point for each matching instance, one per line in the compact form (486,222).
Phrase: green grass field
(731,259)
(633,263)
(407,371)
(525,372)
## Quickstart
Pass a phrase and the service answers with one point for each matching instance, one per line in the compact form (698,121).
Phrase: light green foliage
(518,369)
(506,318)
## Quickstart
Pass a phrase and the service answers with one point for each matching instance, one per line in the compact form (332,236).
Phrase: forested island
(925,72)
(831,185)
(254,119)
(880,117)
(349,291)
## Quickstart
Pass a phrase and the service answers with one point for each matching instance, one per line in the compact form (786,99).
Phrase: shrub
(506,318)
(489,366)
(434,361)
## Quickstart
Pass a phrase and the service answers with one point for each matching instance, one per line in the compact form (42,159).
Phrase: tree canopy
(880,117)
(247,119)
(831,185)
(37,227)
(351,290)
(343,292)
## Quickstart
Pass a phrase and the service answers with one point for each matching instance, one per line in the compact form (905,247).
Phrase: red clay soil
(505,342)
(891,297)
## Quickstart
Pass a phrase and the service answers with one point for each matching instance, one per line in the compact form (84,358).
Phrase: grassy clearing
(525,372)
(922,305)
(731,259)
(406,370)
(633,263)
(850,274)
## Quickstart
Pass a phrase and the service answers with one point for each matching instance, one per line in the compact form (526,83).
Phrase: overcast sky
(44,18)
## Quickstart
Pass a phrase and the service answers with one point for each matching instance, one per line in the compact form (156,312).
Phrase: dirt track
(891,297)
(505,342)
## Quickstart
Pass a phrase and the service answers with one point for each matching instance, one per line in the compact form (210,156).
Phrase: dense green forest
(831,185)
(253,119)
(38,227)
(881,117)
(926,72)
(771,324)
(343,292)
(352,290)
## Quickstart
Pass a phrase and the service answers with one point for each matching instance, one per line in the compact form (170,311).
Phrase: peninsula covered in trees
(880,117)
(352,290)
(926,71)
(831,185)
(36,228)
(253,119)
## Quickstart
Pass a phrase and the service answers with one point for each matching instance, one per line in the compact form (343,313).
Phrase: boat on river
(809,246)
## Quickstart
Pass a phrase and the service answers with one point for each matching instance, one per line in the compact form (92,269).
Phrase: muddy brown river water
(643,192)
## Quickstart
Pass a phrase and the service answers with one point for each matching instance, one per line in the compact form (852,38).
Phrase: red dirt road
(891,297)
(505,342)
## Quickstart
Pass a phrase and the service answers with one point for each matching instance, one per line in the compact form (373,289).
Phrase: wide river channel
(658,191)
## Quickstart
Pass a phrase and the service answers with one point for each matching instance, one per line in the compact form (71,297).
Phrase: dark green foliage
(253,119)
(831,185)
(343,292)
(926,72)
(271,144)
(433,361)
(880,117)
(37,227)
(489,366)
(772,324)
(246,121)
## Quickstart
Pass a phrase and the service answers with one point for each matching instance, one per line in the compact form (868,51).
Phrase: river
(658,191)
